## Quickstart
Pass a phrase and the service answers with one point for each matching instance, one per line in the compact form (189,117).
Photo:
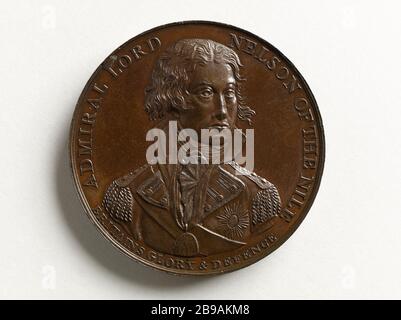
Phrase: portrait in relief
(192,210)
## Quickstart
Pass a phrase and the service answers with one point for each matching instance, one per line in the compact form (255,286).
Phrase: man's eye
(230,94)
(206,93)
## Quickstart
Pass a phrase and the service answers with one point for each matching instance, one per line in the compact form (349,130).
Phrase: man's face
(212,100)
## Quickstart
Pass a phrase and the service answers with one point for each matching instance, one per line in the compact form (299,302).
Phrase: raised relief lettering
(116,64)
(298,198)
(265,56)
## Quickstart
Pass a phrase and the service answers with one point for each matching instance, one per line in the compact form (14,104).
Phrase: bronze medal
(197,148)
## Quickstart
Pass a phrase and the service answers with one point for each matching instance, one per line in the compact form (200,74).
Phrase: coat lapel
(221,189)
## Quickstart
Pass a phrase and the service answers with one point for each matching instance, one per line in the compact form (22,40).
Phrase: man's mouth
(219,126)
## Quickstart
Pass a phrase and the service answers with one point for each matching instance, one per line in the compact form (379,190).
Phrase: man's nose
(221,108)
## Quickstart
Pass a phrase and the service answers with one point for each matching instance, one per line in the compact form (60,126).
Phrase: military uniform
(193,211)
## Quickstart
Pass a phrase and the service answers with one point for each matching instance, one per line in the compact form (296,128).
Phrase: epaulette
(265,205)
(118,200)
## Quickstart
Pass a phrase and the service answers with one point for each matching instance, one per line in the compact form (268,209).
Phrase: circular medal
(197,148)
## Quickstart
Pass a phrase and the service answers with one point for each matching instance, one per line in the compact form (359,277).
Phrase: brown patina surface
(206,218)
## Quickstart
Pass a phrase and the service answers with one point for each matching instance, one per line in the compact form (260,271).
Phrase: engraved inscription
(298,198)
(310,150)
(301,106)
(85,133)
(177,263)
(266,57)
(117,64)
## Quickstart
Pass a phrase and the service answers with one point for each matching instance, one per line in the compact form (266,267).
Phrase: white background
(349,246)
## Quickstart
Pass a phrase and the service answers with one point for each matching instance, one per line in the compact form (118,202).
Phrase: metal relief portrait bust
(194,209)
(197,148)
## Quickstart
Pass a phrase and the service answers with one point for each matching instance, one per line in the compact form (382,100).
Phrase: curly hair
(171,76)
